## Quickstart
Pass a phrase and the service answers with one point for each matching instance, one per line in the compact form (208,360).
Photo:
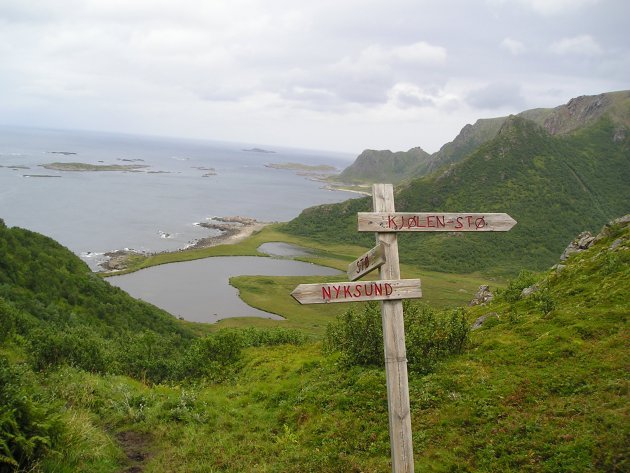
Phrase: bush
(357,335)
(28,429)
(77,346)
(512,292)
(432,336)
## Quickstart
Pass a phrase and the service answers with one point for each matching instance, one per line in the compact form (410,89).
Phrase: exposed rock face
(585,239)
(577,112)
(583,242)
(482,296)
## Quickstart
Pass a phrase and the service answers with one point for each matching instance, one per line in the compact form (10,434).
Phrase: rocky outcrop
(583,242)
(482,296)
(585,239)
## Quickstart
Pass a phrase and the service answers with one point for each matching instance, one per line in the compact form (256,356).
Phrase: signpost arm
(394,345)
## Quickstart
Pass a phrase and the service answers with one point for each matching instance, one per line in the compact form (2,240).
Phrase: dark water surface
(199,290)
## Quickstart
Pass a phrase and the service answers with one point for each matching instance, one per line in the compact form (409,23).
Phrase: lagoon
(199,291)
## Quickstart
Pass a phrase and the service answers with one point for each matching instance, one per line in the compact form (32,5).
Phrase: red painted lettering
(357,291)
(346,292)
(430,222)
(388,289)
(325,292)
(459,223)
(363,264)
(391,222)
(371,286)
(440,223)
(337,289)
(480,222)
(378,290)
(469,218)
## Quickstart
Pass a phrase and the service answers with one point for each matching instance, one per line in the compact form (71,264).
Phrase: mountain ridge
(577,113)
(551,184)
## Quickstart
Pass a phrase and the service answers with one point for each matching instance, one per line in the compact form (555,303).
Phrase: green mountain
(553,185)
(393,167)
(577,113)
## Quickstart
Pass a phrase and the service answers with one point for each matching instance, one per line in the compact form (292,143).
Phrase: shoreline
(234,230)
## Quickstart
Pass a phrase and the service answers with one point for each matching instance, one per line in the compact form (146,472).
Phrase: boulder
(482,296)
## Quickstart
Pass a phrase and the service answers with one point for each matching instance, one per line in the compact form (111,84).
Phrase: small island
(318,168)
(92,167)
(258,150)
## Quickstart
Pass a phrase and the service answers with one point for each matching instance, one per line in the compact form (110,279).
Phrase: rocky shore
(233,229)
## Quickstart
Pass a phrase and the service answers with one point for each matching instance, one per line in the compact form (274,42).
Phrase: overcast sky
(325,74)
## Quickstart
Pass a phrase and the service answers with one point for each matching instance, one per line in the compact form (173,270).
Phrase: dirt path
(136,446)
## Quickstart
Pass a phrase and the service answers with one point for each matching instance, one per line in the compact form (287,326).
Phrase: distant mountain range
(556,171)
(395,167)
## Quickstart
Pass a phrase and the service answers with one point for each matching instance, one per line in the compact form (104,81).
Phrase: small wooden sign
(434,222)
(367,262)
(325,293)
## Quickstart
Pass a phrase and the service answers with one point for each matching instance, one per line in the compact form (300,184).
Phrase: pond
(279,248)
(199,291)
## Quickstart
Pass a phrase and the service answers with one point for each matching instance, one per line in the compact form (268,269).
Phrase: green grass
(541,388)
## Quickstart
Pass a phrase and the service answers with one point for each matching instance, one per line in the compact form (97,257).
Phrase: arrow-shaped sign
(434,222)
(324,293)
(375,258)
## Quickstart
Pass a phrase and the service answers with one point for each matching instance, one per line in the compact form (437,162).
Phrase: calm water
(199,290)
(155,209)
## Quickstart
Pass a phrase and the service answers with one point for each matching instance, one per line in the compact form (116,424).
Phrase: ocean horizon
(163,188)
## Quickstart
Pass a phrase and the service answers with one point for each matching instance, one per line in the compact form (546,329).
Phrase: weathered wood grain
(394,344)
(367,262)
(434,222)
(326,293)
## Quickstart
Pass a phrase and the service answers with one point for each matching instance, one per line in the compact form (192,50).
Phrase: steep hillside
(554,186)
(373,166)
(40,277)
(578,113)
(467,141)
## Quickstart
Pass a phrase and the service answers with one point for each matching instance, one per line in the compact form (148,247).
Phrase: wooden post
(390,290)
(394,344)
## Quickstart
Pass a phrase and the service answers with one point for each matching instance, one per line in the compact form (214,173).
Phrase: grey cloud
(496,96)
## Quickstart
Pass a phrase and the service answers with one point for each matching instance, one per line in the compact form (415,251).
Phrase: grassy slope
(543,388)
(554,187)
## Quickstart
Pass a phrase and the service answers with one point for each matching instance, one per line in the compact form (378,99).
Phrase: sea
(153,208)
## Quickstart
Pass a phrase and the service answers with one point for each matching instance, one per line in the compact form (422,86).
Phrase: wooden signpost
(367,262)
(390,289)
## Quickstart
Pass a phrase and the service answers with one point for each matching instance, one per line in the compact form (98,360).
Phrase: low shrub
(357,335)
(28,428)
